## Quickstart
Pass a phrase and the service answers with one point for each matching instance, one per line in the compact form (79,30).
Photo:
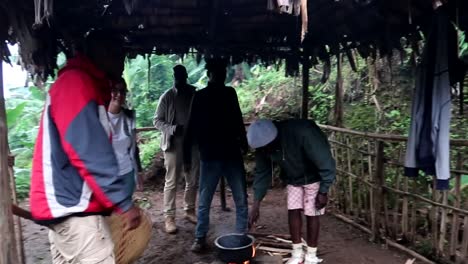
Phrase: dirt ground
(339,243)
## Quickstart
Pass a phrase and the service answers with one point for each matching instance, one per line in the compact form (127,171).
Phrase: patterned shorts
(303,197)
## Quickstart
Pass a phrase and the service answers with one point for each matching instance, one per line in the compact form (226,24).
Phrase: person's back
(219,129)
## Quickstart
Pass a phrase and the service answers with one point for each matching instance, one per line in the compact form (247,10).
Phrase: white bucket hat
(261,133)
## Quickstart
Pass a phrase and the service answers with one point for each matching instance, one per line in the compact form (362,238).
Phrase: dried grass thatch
(243,30)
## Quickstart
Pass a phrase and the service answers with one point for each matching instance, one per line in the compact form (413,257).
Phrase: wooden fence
(409,213)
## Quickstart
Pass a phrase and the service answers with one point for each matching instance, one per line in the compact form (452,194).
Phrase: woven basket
(129,245)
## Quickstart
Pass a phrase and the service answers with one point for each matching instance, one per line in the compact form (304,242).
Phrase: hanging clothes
(291,7)
(428,147)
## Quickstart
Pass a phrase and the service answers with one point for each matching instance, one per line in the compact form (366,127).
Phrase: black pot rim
(234,234)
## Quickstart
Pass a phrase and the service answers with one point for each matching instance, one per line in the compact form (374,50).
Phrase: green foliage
(361,117)
(462,43)
(149,146)
(322,100)
(23,114)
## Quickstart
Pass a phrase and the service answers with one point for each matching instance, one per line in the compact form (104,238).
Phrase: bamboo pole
(414,216)
(386,137)
(434,218)
(366,182)
(377,199)
(396,208)
(19,234)
(464,248)
(443,223)
(361,190)
(455,218)
(405,210)
(429,201)
(350,180)
(369,177)
(8,250)
(386,214)
(339,93)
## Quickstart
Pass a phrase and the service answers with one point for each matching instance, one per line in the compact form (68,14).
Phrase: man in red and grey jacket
(74,181)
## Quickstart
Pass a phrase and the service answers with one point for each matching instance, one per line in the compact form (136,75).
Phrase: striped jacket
(75,172)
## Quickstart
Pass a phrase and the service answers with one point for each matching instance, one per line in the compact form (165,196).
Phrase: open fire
(248,261)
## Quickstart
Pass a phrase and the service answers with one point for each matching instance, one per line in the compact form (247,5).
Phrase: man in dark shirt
(216,126)
(303,153)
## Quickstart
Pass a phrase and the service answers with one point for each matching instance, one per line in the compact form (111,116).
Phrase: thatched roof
(240,29)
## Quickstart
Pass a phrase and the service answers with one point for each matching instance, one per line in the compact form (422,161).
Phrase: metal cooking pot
(235,248)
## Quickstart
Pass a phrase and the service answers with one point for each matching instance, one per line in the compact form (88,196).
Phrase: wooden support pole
(339,93)
(222,193)
(377,199)
(456,217)
(350,180)
(443,224)
(396,209)
(435,218)
(17,219)
(8,251)
(305,86)
(370,198)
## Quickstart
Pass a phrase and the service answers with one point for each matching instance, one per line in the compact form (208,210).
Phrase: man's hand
(254,214)
(321,201)
(133,217)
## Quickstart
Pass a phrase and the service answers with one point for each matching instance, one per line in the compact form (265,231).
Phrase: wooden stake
(405,211)
(456,217)
(443,223)
(396,208)
(8,251)
(350,179)
(361,189)
(377,199)
(414,216)
(19,228)
(370,200)
(339,94)
(435,218)
(464,248)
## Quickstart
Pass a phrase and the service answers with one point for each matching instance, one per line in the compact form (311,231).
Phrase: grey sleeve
(159,120)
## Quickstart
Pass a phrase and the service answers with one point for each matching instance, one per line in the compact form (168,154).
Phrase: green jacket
(303,155)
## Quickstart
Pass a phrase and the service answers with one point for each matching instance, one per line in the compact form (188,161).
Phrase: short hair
(216,64)
(179,69)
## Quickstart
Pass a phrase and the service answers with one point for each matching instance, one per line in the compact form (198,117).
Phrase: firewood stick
(277,250)
(283,236)
(277,245)
(282,240)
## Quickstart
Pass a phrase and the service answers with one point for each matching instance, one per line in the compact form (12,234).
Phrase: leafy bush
(149,143)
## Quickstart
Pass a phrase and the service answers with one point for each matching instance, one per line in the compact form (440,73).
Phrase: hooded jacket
(304,156)
(75,172)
